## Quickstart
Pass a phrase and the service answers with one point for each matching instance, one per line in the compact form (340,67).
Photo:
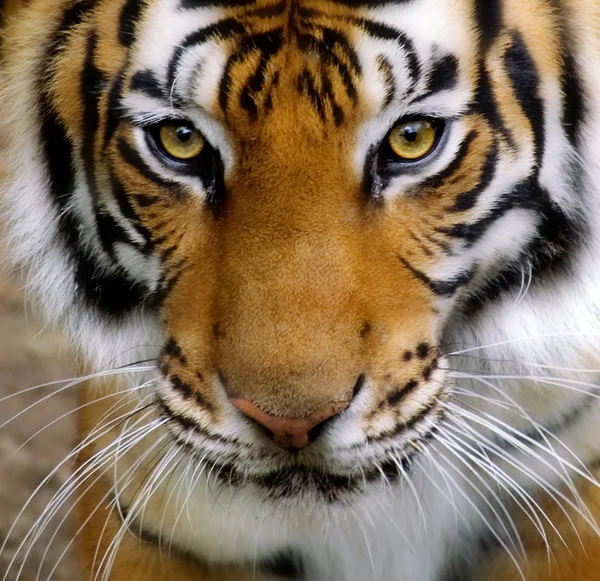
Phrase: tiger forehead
(326,56)
(290,48)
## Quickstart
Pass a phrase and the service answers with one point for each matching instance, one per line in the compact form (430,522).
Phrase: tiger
(331,273)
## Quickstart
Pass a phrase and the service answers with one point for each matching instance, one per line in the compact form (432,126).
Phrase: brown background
(29,357)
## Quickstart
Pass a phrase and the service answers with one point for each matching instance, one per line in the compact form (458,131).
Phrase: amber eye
(413,139)
(181,141)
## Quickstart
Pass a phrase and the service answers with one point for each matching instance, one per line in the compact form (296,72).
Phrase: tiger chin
(332,273)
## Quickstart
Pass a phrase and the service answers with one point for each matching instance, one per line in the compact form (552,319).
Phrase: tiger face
(311,200)
(309,194)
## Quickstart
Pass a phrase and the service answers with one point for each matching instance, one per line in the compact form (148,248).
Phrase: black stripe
(549,252)
(468,200)
(223,29)
(306,86)
(485,103)
(131,13)
(114,113)
(442,77)
(574,108)
(332,39)
(338,113)
(310,44)
(132,157)
(387,72)
(252,88)
(123,200)
(109,231)
(268,44)
(146,82)
(438,179)
(93,82)
(488,15)
(191,4)
(382,31)
(441,288)
(72,17)
(371,3)
(524,78)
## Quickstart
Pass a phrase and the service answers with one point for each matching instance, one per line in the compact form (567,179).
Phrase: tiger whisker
(480,514)
(494,470)
(57,501)
(482,461)
(123,394)
(128,367)
(455,447)
(521,339)
(551,490)
(541,430)
(90,516)
(45,480)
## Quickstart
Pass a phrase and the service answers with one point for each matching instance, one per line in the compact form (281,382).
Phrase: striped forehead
(383,54)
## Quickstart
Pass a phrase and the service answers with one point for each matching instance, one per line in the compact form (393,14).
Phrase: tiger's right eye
(181,141)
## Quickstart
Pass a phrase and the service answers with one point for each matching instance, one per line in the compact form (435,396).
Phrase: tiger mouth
(287,476)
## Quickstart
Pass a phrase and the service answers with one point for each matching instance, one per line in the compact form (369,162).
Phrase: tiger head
(307,198)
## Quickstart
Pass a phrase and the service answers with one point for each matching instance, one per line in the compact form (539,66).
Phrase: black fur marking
(438,179)
(442,288)
(191,426)
(485,103)
(488,14)
(93,82)
(114,113)
(382,31)
(131,13)
(306,86)
(172,349)
(422,350)
(223,29)
(268,45)
(548,253)
(433,407)
(286,565)
(311,44)
(468,200)
(370,3)
(574,108)
(398,395)
(147,83)
(389,80)
(110,292)
(443,77)
(132,157)
(191,4)
(525,81)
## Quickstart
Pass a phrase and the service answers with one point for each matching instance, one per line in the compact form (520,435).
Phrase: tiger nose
(289,433)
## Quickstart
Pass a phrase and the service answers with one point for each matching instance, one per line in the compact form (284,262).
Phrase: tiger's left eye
(413,139)
(181,141)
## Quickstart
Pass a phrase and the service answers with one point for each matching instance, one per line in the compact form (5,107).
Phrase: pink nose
(289,432)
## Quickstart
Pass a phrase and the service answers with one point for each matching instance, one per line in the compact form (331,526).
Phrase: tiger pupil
(184,134)
(411,134)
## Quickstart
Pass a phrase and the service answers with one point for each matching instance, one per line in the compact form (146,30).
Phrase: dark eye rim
(393,159)
(155,143)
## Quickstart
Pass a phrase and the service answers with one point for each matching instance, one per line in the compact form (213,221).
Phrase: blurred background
(30,357)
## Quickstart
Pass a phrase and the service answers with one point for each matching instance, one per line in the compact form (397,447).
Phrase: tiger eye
(413,140)
(181,141)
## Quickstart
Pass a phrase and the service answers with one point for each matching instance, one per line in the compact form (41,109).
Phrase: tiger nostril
(289,433)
